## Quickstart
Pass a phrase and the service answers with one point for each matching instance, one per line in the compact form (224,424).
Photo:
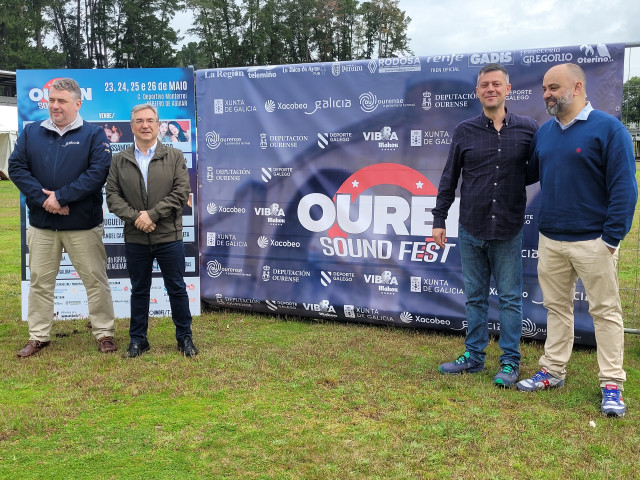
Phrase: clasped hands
(52,205)
(144,222)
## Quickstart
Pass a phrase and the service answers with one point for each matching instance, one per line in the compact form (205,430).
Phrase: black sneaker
(137,349)
(186,347)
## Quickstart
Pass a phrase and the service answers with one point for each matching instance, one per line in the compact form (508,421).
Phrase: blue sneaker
(540,381)
(612,403)
(463,364)
(507,376)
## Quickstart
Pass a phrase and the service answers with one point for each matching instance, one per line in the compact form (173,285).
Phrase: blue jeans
(170,257)
(503,258)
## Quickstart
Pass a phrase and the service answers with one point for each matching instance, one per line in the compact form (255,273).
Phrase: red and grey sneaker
(540,381)
(612,403)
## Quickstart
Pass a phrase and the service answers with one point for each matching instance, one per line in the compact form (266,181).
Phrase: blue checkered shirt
(493,166)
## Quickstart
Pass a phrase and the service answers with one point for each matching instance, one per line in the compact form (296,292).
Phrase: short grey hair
(494,67)
(69,85)
(144,106)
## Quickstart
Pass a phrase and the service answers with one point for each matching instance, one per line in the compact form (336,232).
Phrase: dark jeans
(170,257)
(503,259)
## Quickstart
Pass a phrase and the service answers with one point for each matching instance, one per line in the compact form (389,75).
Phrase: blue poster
(317,181)
(107,99)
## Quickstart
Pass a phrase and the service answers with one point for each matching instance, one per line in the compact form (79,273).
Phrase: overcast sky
(467,26)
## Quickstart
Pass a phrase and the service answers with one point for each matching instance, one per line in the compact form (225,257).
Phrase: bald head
(573,72)
(564,91)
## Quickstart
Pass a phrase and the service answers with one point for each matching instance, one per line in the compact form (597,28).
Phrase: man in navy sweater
(60,166)
(585,163)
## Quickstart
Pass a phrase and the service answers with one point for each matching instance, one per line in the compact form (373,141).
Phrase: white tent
(8,136)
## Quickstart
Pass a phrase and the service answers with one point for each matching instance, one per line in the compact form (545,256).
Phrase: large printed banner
(317,183)
(107,99)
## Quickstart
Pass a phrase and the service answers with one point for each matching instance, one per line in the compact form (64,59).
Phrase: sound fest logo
(358,213)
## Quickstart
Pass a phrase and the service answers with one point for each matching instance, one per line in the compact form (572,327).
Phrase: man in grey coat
(148,187)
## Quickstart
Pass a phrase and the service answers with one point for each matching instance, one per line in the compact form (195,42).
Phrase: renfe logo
(378,214)
(42,95)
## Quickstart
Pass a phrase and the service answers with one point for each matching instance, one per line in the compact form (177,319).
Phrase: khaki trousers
(87,254)
(559,266)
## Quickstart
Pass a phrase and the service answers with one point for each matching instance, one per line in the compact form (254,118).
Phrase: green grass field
(281,398)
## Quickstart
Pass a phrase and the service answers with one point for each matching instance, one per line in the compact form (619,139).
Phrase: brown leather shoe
(31,348)
(106,345)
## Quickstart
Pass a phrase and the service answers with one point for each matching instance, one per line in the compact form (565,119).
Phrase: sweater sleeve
(622,188)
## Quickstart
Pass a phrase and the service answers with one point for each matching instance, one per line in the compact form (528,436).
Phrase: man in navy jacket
(60,166)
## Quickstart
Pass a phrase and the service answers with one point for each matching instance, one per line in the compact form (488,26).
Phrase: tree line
(227,33)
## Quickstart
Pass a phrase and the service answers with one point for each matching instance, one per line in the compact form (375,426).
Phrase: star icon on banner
(419,185)
(355,184)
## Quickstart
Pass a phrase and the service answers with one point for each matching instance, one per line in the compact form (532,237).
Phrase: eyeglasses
(150,121)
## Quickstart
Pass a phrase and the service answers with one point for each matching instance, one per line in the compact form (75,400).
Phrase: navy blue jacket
(74,165)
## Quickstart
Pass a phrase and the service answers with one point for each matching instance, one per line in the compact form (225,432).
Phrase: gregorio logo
(545,55)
